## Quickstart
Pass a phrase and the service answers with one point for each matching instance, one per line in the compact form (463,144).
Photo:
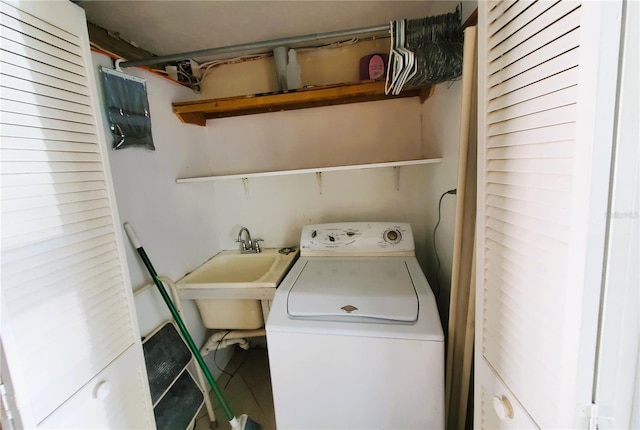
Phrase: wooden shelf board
(198,112)
(310,170)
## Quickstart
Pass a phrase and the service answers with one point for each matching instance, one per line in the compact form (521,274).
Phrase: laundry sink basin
(232,269)
(232,290)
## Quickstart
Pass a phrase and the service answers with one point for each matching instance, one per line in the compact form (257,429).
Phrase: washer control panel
(357,238)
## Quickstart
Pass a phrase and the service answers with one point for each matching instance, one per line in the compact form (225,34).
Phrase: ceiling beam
(100,38)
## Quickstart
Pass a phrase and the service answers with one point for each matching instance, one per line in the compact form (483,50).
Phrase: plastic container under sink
(231,314)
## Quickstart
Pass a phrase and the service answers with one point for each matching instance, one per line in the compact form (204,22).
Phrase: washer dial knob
(392,236)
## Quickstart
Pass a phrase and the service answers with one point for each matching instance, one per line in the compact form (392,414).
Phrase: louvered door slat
(561,183)
(536,195)
(520,311)
(526,235)
(44,79)
(68,323)
(556,149)
(39,254)
(21,180)
(552,84)
(512,52)
(543,212)
(45,145)
(529,259)
(554,166)
(14,48)
(553,49)
(29,191)
(91,296)
(549,68)
(54,156)
(47,215)
(39,66)
(506,270)
(28,109)
(511,10)
(44,101)
(535,35)
(554,133)
(28,36)
(60,282)
(53,167)
(10,130)
(51,233)
(546,102)
(498,8)
(56,32)
(535,19)
(513,268)
(59,221)
(46,123)
(503,234)
(19,22)
(14,205)
(77,252)
(561,114)
(94,279)
(527,222)
(30,86)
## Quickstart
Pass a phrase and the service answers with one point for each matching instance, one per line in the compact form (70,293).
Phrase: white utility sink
(229,287)
(231,269)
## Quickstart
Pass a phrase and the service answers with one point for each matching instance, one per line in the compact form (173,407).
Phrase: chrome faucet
(248,246)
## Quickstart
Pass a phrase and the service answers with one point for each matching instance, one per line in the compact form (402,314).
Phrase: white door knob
(102,390)
(503,408)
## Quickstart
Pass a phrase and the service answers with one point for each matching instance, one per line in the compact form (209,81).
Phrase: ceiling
(170,27)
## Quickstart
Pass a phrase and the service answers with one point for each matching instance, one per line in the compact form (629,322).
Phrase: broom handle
(176,316)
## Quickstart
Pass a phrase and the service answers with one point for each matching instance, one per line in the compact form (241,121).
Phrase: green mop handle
(176,316)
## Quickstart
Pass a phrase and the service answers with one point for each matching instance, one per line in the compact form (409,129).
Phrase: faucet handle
(243,243)
(257,244)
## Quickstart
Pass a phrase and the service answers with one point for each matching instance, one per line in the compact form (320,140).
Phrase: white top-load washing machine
(353,334)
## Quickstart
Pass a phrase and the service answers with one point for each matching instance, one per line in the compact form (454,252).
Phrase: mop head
(244,422)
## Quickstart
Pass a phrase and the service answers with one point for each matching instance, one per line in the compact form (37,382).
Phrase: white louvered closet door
(67,311)
(547,83)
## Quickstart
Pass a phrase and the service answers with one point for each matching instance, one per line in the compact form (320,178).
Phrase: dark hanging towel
(127,107)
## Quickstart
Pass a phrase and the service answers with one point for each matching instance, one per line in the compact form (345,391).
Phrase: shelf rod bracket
(319,181)
(245,185)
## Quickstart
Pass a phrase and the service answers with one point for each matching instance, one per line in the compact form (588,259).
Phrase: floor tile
(242,404)
(247,392)
(255,369)
(230,387)
(264,397)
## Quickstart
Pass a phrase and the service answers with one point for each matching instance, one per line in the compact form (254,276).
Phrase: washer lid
(375,288)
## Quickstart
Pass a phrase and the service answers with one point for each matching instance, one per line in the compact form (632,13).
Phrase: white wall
(176,224)
(441,128)
(276,208)
(441,122)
